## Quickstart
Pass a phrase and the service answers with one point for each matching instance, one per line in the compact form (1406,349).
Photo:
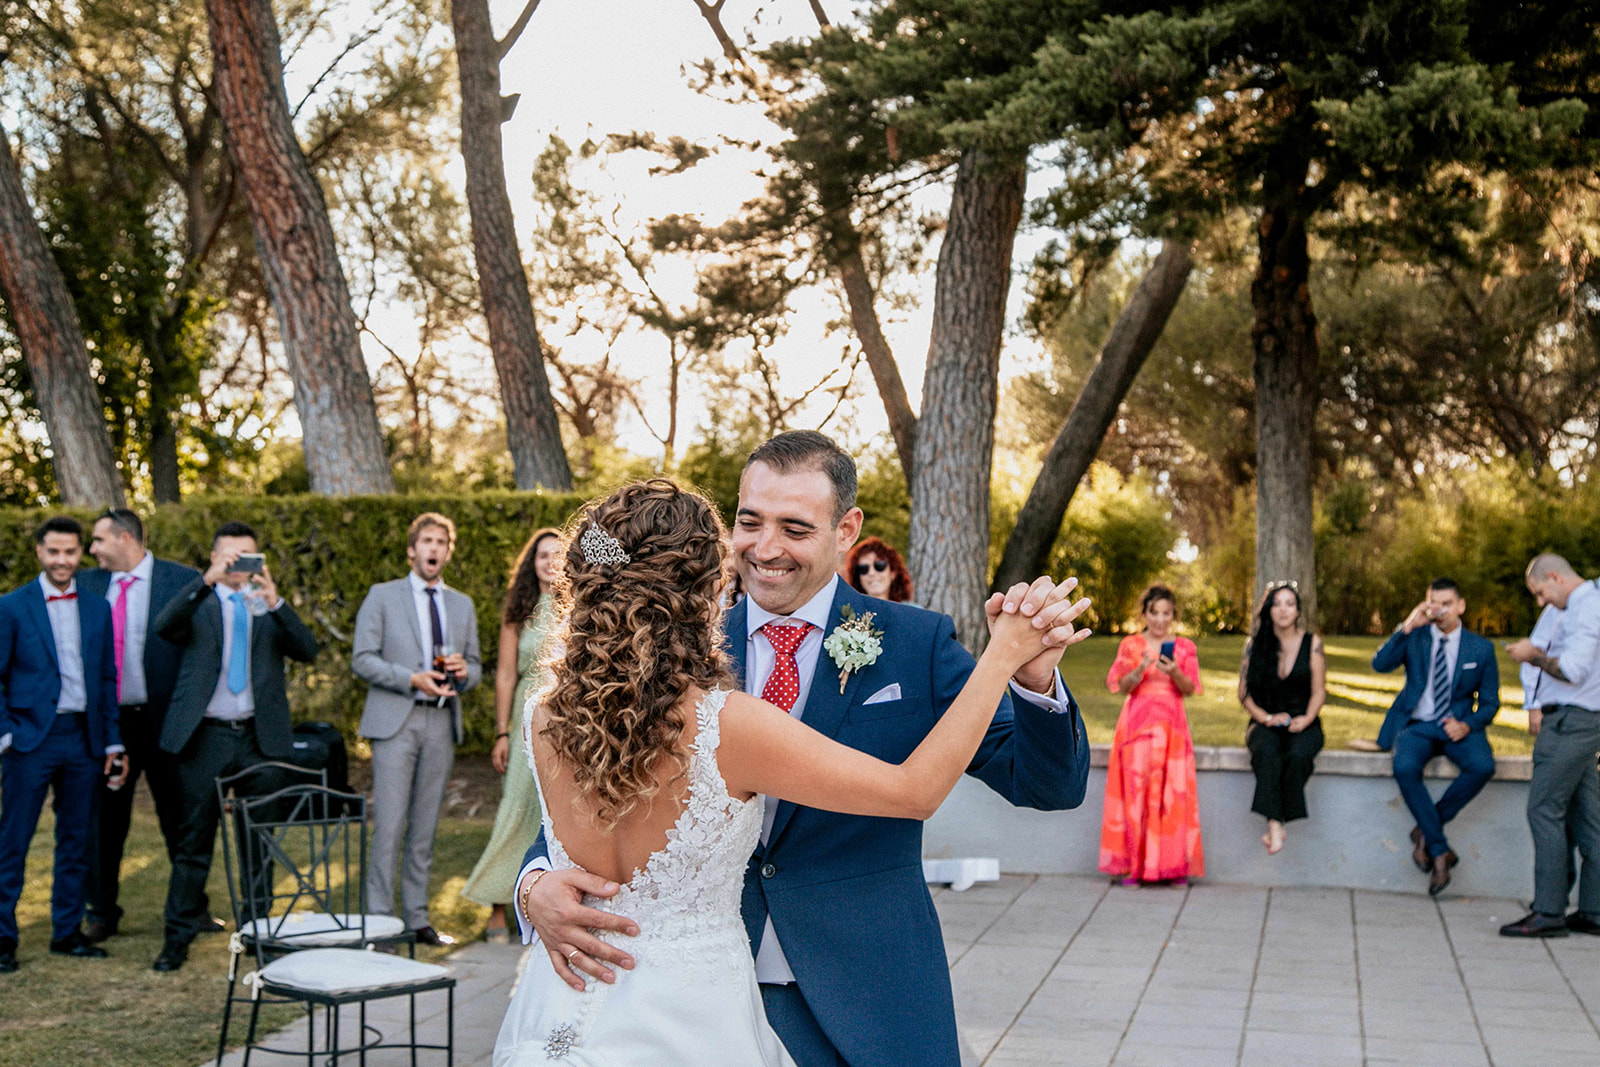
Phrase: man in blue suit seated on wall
(58,732)
(1449,669)
(846,940)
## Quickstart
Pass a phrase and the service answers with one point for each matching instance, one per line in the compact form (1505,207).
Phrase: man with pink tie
(137,585)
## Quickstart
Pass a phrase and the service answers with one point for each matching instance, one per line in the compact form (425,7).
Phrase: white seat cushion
(346,970)
(320,928)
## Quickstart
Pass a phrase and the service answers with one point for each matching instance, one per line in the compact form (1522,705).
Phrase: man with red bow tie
(58,732)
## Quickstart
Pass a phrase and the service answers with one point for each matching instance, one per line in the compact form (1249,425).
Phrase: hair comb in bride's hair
(600,548)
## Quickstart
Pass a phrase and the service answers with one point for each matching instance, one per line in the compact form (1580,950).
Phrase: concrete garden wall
(1357,835)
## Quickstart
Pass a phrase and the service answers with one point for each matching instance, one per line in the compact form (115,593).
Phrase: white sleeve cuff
(115,750)
(5,742)
(537,864)
(1057,702)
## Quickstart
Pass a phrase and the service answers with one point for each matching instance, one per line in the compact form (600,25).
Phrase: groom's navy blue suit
(845,892)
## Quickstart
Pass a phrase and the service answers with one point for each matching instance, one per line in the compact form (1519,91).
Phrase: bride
(651,767)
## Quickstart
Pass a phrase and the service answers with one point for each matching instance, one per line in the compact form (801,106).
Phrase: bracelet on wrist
(527,888)
(502,733)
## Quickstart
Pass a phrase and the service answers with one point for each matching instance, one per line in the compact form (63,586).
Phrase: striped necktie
(1441,680)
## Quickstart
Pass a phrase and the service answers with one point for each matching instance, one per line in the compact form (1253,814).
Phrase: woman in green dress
(525,619)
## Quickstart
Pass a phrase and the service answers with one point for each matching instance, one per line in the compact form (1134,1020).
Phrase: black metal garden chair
(296,862)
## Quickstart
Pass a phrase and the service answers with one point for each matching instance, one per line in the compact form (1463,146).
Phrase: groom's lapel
(735,639)
(825,704)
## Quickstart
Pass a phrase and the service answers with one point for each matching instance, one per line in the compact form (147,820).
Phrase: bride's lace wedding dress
(692,997)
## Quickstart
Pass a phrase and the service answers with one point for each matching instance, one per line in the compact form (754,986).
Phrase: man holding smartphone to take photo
(229,708)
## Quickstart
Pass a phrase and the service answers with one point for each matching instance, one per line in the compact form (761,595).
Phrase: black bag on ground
(319,746)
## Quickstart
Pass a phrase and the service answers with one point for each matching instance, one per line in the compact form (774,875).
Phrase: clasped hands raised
(1025,612)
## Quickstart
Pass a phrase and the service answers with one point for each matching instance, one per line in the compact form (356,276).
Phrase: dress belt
(236,725)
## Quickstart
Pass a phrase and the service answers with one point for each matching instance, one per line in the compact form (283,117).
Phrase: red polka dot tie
(783,684)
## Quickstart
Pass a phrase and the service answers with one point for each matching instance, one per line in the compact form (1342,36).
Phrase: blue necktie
(239,655)
(1441,682)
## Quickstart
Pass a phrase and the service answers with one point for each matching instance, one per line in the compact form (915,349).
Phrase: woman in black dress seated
(1282,684)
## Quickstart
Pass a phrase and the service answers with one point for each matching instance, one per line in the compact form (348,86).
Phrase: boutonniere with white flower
(855,643)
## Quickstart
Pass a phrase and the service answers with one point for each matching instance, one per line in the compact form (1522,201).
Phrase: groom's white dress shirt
(771,966)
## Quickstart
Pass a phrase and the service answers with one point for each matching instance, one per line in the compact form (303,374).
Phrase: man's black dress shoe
(427,935)
(1579,923)
(1439,877)
(8,955)
(1419,851)
(173,953)
(98,930)
(212,925)
(1536,924)
(75,944)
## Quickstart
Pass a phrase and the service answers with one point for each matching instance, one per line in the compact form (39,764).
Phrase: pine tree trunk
(1127,346)
(533,432)
(53,347)
(880,358)
(955,435)
(1284,337)
(339,421)
(164,457)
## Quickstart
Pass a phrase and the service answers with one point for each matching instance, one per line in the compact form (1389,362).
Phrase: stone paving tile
(1132,1055)
(1424,1053)
(1269,1048)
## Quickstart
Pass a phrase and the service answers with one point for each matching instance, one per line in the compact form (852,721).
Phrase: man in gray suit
(416,645)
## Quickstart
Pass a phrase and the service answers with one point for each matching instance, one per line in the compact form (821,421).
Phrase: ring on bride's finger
(573,953)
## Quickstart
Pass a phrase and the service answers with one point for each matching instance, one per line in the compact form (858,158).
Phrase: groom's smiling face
(787,542)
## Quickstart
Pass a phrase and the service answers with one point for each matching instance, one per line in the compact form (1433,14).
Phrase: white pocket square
(884,695)
(1468,666)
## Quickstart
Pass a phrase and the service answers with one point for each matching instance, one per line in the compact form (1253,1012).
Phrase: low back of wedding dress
(692,997)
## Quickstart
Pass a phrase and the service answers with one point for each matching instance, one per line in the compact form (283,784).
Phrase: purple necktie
(119,625)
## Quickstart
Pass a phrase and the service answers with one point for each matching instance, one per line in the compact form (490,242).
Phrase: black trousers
(1282,762)
(216,749)
(141,733)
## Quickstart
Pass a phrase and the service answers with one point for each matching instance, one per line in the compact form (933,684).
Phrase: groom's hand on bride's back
(555,910)
(1051,608)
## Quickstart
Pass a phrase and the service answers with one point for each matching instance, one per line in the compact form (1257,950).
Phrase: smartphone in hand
(248,563)
(1167,649)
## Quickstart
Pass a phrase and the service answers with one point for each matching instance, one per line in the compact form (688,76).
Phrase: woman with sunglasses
(876,569)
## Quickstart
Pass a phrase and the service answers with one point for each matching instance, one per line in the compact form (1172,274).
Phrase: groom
(848,948)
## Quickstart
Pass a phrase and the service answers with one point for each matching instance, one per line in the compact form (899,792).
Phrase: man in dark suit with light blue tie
(58,732)
(229,711)
(1451,694)
(137,585)
(847,944)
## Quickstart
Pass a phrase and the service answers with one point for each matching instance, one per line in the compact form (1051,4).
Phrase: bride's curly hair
(636,636)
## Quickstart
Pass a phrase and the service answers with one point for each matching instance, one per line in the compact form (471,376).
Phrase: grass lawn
(58,1012)
(70,1013)
(1357,698)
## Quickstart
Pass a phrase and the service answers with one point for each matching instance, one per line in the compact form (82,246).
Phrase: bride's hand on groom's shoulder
(1044,612)
(554,908)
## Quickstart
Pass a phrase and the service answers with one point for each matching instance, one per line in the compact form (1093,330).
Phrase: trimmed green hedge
(325,553)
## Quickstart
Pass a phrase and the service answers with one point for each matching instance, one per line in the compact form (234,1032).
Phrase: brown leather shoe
(1419,851)
(1440,878)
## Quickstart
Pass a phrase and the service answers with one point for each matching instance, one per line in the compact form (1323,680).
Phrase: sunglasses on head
(879,565)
